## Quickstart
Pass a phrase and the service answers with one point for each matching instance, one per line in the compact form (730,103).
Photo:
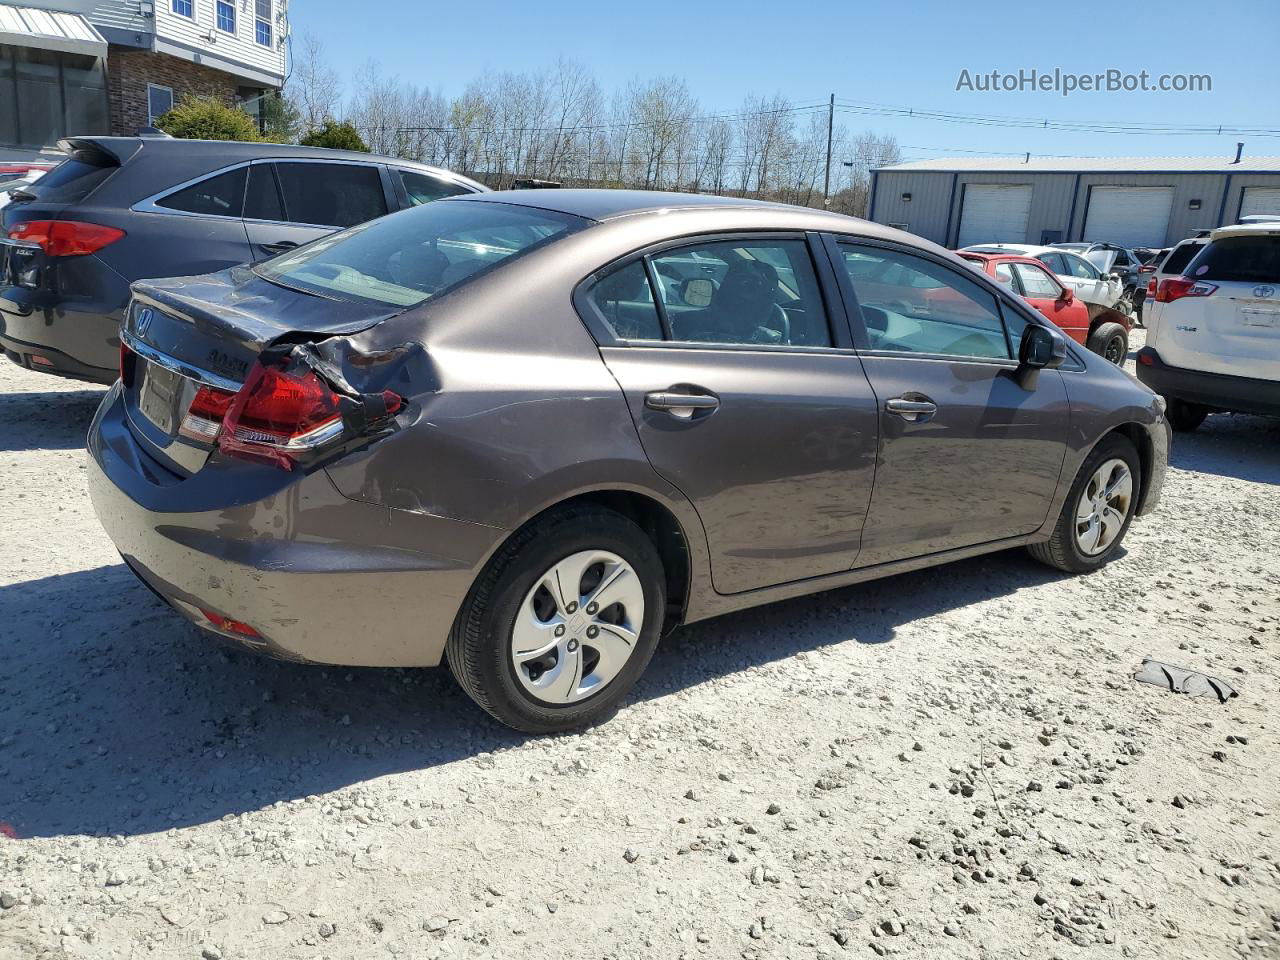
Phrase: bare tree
(314,87)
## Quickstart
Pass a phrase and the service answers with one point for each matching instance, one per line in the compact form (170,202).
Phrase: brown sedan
(531,432)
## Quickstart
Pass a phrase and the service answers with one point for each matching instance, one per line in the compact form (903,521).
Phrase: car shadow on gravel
(1231,445)
(57,420)
(117,717)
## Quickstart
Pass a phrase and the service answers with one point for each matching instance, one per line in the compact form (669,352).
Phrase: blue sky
(900,53)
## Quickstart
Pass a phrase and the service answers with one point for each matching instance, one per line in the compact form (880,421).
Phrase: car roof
(232,151)
(1000,257)
(1246,230)
(602,205)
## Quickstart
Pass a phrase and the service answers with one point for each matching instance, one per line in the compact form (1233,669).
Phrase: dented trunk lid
(209,330)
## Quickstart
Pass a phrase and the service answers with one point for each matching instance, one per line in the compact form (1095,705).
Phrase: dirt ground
(954,763)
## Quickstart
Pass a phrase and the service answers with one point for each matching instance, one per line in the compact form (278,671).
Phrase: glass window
(624,301)
(182,8)
(1004,274)
(1035,282)
(403,260)
(226,15)
(755,291)
(914,305)
(39,96)
(262,199)
(71,181)
(1081,268)
(423,189)
(1239,260)
(262,21)
(220,196)
(1179,257)
(159,102)
(1053,261)
(331,194)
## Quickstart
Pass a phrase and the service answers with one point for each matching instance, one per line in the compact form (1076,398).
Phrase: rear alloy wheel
(1097,511)
(562,622)
(1111,342)
(1184,417)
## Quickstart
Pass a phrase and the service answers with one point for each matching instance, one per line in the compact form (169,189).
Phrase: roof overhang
(211,59)
(50,30)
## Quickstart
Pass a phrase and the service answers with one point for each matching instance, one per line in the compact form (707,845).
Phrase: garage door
(1260,200)
(1129,216)
(994,213)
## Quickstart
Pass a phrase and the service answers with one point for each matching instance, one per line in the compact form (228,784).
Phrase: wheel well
(1136,435)
(662,529)
(1108,316)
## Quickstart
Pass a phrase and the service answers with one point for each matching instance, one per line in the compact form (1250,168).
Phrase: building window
(159,102)
(183,9)
(226,17)
(262,17)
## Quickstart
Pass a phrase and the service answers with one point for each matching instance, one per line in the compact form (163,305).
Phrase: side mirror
(1041,348)
(1067,296)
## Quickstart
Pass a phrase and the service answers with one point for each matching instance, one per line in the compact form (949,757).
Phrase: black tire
(1184,417)
(478,649)
(1111,342)
(1062,551)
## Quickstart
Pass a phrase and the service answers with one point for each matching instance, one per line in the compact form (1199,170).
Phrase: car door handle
(278,247)
(680,404)
(911,410)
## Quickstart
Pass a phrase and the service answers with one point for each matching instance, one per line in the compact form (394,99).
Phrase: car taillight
(128,360)
(1175,288)
(65,238)
(206,413)
(1151,287)
(277,415)
(1147,268)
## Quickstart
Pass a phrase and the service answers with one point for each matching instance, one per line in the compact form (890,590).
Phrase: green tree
(280,118)
(335,136)
(208,118)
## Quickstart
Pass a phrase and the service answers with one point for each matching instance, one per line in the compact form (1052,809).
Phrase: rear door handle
(279,247)
(678,404)
(911,410)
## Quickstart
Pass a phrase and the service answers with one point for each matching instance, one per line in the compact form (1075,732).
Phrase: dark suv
(120,209)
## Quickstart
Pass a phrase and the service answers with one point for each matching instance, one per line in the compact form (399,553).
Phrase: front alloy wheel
(1103,507)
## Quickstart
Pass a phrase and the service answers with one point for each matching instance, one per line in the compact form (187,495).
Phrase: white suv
(1213,344)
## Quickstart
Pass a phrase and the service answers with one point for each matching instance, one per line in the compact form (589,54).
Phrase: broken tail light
(65,238)
(279,414)
(1175,288)
(128,360)
(204,417)
(231,626)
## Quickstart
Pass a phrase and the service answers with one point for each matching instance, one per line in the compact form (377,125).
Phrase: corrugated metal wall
(933,211)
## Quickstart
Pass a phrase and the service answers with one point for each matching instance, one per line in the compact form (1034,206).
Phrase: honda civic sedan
(529,433)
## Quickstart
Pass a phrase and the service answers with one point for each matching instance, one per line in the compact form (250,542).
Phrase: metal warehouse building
(1132,201)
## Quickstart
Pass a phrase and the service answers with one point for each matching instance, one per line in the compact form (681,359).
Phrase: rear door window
(219,196)
(331,194)
(422,188)
(262,198)
(1239,260)
(624,301)
(1179,257)
(1035,282)
(1053,261)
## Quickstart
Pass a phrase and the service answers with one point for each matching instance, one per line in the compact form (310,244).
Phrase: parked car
(1120,261)
(1031,279)
(1215,343)
(122,208)
(528,432)
(17,181)
(1172,264)
(1109,327)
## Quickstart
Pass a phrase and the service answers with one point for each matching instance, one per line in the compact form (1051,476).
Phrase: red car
(1032,280)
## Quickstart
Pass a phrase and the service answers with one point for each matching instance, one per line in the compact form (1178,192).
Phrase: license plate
(158,398)
(1259,318)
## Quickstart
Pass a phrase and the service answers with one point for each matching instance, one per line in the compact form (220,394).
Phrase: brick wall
(129,71)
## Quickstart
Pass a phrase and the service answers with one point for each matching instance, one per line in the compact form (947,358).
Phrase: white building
(112,66)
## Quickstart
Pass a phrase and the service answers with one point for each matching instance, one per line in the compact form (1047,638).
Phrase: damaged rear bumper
(319,577)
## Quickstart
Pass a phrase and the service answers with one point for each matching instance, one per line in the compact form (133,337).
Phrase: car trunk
(189,332)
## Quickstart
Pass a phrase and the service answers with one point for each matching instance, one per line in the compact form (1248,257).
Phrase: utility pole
(826,180)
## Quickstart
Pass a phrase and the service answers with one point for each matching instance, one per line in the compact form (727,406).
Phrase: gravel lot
(953,763)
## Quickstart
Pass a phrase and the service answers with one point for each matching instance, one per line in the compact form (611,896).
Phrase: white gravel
(954,763)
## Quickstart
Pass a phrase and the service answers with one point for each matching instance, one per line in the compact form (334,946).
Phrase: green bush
(207,118)
(335,136)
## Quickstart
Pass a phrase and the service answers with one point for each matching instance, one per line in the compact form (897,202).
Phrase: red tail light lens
(128,360)
(1151,287)
(1175,288)
(65,238)
(206,413)
(276,414)
(231,626)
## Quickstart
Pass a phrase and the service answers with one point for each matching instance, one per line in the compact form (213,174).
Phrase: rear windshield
(1239,259)
(1179,257)
(70,181)
(408,257)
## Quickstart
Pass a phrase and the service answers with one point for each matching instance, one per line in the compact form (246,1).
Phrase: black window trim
(396,173)
(604,337)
